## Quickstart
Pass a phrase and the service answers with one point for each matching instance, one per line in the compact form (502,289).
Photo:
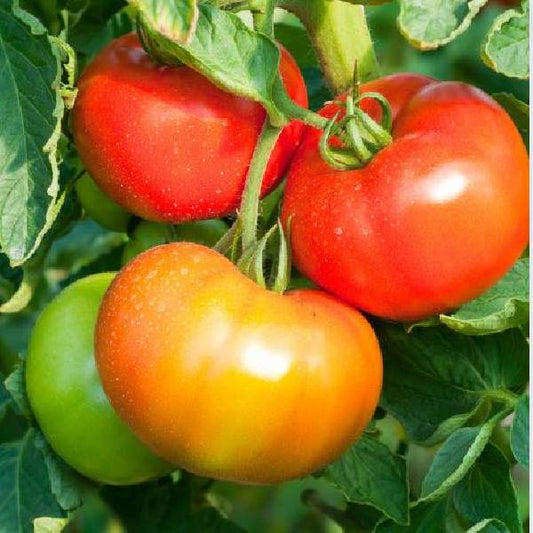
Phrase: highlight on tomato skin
(165,143)
(228,380)
(434,220)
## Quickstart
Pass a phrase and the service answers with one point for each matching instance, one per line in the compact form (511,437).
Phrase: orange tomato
(228,380)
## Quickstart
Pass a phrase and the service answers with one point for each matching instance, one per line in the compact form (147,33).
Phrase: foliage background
(87,248)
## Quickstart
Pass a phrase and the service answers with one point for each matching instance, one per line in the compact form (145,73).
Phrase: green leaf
(31,108)
(428,24)
(426,518)
(164,506)
(520,431)
(5,398)
(454,458)
(47,11)
(174,20)
(24,486)
(45,524)
(487,491)
(227,52)
(16,385)
(435,379)
(489,525)
(87,20)
(64,481)
(10,279)
(32,273)
(505,305)
(518,111)
(33,269)
(369,473)
(89,41)
(506,47)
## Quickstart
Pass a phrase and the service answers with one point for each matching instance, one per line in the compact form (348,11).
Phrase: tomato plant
(434,220)
(299,362)
(66,394)
(264,264)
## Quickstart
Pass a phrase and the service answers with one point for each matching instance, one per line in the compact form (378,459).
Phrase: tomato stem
(340,36)
(264,18)
(361,138)
(249,210)
(295,112)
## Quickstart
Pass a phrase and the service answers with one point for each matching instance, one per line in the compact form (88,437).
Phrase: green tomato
(149,234)
(99,206)
(66,394)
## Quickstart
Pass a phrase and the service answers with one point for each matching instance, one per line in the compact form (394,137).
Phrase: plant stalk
(249,211)
(341,38)
(264,18)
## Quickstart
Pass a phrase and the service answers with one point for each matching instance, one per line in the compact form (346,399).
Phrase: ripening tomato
(229,380)
(99,206)
(167,144)
(66,394)
(436,218)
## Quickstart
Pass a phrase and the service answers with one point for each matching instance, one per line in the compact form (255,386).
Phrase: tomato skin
(435,219)
(100,207)
(228,380)
(149,234)
(66,394)
(164,142)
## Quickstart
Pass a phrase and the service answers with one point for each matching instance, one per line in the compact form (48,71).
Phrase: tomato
(149,234)
(229,380)
(66,394)
(164,142)
(99,206)
(436,218)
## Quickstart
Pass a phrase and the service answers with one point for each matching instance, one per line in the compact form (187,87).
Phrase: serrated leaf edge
(500,20)
(366,502)
(474,7)
(192,21)
(501,319)
(475,450)
(51,145)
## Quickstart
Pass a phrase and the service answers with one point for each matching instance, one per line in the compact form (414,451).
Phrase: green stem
(341,38)
(263,18)
(500,395)
(295,112)
(249,211)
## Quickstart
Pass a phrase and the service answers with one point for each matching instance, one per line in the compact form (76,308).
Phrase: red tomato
(229,380)
(435,218)
(165,143)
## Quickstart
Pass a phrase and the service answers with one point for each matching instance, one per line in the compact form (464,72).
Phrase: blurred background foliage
(279,509)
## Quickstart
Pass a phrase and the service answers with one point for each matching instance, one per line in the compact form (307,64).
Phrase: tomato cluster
(203,367)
